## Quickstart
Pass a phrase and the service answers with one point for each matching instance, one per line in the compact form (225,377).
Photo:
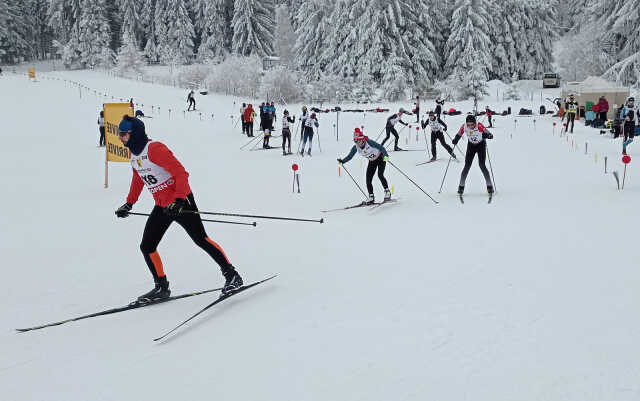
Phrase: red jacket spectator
(595,108)
(603,105)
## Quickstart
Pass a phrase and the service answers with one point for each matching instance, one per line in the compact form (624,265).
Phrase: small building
(270,62)
(592,88)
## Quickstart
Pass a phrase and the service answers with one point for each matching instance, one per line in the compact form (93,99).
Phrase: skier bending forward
(477,135)
(377,156)
(155,167)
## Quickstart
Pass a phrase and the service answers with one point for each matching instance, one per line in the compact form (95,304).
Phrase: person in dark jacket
(437,127)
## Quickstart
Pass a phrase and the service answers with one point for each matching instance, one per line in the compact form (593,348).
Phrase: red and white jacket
(158,169)
(475,134)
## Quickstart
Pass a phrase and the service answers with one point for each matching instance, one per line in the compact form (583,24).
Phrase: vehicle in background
(551,80)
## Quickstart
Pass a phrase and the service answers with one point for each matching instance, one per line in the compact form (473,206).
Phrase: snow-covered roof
(597,84)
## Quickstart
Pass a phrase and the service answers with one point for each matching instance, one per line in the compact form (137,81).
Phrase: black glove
(340,161)
(123,211)
(487,135)
(455,140)
(176,207)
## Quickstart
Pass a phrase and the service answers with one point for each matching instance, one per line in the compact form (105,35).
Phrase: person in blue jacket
(377,156)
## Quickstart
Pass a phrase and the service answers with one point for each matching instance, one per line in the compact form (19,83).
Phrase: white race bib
(155,177)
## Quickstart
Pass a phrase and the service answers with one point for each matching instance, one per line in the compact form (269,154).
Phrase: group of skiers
(378,156)
(154,166)
(308,122)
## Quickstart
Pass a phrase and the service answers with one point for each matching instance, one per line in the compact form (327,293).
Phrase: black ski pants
(391,130)
(286,137)
(101,142)
(571,118)
(377,164)
(158,223)
(439,136)
(481,150)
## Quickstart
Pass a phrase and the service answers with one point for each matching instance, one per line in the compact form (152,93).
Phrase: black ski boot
(371,200)
(232,280)
(160,292)
(460,190)
(490,189)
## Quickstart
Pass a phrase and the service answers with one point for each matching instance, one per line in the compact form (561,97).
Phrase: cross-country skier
(437,127)
(267,125)
(477,135)
(631,119)
(439,104)
(489,113)
(308,123)
(377,156)
(572,110)
(155,167)
(417,109)
(101,129)
(303,116)
(286,132)
(390,127)
(192,101)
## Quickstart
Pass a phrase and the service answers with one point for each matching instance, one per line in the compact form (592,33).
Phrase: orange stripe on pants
(212,242)
(157,263)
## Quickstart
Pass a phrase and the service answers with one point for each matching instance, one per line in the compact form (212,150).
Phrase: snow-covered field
(534,297)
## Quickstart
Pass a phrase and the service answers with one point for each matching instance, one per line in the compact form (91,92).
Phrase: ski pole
(455,145)
(413,182)
(212,221)
(380,134)
(254,216)
(426,143)
(319,146)
(250,142)
(624,175)
(491,168)
(445,174)
(354,181)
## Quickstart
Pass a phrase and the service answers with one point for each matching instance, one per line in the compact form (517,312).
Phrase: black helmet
(286,112)
(631,100)
(471,118)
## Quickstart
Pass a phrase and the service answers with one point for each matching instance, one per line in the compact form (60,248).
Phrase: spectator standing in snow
(603,108)
(417,109)
(249,116)
(101,129)
(572,110)
(244,124)
(439,104)
(630,118)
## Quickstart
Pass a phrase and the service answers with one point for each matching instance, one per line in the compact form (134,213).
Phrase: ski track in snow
(533,297)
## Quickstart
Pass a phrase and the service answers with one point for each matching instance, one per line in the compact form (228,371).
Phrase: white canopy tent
(592,88)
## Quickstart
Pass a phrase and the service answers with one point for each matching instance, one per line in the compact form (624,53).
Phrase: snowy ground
(533,297)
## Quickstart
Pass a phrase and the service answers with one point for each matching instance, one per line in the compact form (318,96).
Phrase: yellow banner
(32,73)
(113,112)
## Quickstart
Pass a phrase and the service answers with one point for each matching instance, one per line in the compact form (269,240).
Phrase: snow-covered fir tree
(130,21)
(94,35)
(313,24)
(14,44)
(174,32)
(129,59)
(212,31)
(254,27)
(469,42)
(88,45)
(386,40)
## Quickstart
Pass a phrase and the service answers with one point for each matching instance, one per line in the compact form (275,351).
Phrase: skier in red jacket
(155,167)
